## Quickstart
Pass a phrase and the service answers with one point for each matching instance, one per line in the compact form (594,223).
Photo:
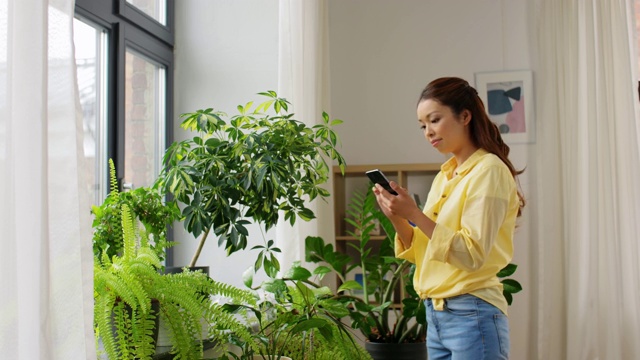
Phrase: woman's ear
(466,117)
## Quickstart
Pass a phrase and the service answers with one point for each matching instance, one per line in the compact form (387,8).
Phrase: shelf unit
(417,178)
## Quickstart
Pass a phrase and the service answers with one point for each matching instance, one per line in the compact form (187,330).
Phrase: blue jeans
(468,328)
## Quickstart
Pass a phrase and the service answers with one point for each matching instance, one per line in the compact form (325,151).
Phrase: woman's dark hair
(458,95)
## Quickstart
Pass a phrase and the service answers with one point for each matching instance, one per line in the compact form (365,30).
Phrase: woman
(464,235)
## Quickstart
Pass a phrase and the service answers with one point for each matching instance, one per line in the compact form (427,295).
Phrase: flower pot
(406,351)
(270,357)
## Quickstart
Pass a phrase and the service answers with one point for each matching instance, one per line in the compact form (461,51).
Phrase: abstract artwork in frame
(508,99)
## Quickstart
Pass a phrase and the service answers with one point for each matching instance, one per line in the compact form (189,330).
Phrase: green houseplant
(127,285)
(372,309)
(251,165)
(371,303)
(297,318)
(146,204)
(132,292)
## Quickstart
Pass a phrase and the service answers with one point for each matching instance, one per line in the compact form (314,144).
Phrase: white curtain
(588,258)
(303,80)
(46,264)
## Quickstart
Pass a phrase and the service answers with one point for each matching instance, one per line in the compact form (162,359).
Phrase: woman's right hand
(399,207)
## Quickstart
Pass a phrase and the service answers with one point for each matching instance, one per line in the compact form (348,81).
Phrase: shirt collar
(450,165)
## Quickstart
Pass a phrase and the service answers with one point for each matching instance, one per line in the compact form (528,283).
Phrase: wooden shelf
(391,168)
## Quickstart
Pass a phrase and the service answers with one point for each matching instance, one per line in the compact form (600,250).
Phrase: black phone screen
(377,177)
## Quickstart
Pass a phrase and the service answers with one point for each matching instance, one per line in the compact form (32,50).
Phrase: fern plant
(126,285)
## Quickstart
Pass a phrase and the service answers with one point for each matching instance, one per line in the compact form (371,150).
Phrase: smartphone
(377,177)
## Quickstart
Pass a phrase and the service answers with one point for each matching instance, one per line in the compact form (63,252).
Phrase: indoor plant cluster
(132,294)
(247,168)
(250,167)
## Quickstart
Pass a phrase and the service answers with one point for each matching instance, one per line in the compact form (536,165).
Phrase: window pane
(144,119)
(91,59)
(157,9)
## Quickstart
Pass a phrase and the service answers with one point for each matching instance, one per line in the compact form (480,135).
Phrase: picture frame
(508,99)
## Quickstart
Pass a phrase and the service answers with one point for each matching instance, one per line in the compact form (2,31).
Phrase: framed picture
(508,99)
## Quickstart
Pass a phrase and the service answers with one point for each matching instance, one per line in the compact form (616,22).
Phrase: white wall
(226,52)
(382,53)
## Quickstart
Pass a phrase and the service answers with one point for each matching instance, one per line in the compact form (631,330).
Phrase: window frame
(129,27)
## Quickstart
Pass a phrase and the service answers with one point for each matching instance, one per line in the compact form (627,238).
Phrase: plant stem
(406,333)
(392,284)
(199,249)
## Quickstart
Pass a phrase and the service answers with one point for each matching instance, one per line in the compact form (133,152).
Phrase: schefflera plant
(248,167)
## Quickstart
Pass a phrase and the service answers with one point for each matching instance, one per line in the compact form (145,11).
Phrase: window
(157,9)
(91,60)
(145,91)
(124,52)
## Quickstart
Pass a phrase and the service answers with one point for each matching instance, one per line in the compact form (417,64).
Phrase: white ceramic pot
(270,357)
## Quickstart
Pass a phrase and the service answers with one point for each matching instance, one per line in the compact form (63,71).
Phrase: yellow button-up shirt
(475,209)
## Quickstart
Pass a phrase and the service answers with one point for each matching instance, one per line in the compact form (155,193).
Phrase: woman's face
(445,131)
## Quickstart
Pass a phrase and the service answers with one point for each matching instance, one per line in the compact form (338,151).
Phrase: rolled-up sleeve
(419,242)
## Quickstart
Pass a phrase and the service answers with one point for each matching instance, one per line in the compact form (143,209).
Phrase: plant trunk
(199,249)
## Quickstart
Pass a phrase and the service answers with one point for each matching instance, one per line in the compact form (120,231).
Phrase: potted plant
(131,291)
(249,166)
(296,319)
(371,304)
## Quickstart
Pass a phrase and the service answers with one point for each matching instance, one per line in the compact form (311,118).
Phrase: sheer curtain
(46,307)
(303,80)
(588,194)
